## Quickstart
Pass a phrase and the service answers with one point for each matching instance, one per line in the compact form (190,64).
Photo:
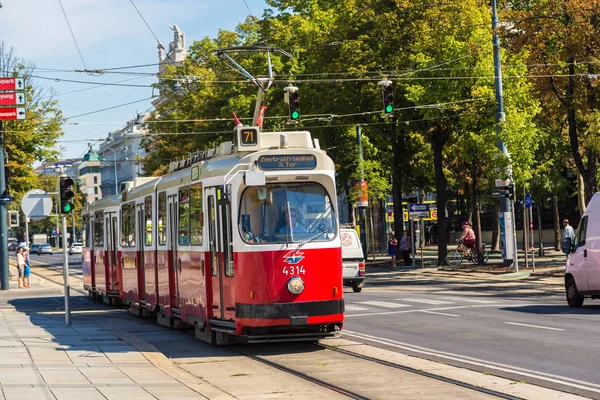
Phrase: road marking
(469,300)
(412,311)
(535,326)
(439,313)
(383,304)
(592,387)
(354,308)
(426,301)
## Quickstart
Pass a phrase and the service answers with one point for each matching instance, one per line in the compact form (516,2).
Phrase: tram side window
(196,215)
(162,218)
(128,225)
(148,224)
(99,232)
(184,216)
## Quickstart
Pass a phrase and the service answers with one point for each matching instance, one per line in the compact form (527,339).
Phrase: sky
(109,33)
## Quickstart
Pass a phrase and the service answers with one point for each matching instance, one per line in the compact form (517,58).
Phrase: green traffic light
(389,109)
(295,115)
(67,208)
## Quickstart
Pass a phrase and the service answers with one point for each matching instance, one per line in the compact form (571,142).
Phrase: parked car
(44,249)
(353,261)
(582,275)
(76,248)
(33,248)
(12,246)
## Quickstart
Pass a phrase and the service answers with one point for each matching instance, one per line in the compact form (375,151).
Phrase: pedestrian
(568,237)
(406,248)
(392,248)
(20,265)
(27,268)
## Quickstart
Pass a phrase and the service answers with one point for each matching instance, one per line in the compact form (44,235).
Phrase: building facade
(90,179)
(121,154)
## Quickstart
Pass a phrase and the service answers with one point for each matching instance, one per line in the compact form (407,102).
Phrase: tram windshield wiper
(313,238)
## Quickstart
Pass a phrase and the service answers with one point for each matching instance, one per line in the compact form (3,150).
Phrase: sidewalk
(109,354)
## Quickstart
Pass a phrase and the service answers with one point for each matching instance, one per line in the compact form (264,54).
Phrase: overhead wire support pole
(500,119)
(4,285)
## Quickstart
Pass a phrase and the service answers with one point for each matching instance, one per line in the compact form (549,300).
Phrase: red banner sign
(7,114)
(11,98)
(12,84)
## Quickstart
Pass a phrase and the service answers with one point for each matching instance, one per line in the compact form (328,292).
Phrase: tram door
(111,247)
(221,253)
(174,261)
(140,264)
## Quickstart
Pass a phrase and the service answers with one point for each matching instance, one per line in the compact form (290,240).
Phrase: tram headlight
(295,285)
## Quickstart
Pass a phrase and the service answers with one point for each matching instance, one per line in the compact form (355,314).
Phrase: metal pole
(514,236)
(26,231)
(66,272)
(57,198)
(412,240)
(362,211)
(4,285)
(73,240)
(500,116)
(531,234)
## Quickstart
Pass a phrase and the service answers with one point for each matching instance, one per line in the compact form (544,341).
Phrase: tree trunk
(441,184)
(590,178)
(580,193)
(496,228)
(556,222)
(476,213)
(538,205)
(398,149)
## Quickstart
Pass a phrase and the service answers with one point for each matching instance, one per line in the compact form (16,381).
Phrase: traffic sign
(11,84)
(6,199)
(418,210)
(11,98)
(499,193)
(36,204)
(7,114)
(528,200)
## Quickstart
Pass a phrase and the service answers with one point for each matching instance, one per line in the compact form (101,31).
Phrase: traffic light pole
(4,284)
(66,271)
(505,205)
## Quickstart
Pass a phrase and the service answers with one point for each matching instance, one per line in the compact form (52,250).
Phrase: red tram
(240,241)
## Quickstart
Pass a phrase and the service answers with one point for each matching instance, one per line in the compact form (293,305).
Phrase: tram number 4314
(293,270)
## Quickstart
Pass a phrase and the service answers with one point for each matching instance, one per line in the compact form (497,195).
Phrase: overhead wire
(72,34)
(108,108)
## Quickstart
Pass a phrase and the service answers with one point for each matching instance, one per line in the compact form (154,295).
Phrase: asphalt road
(55,262)
(516,333)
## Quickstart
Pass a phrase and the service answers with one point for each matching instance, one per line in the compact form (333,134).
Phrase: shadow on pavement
(552,309)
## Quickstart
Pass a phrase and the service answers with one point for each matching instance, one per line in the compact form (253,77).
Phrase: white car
(353,261)
(76,248)
(44,249)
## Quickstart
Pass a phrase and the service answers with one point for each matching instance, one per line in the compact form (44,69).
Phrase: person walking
(568,237)
(406,248)
(392,248)
(20,265)
(27,268)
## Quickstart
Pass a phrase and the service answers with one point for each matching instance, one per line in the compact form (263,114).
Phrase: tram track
(353,393)
(419,372)
(302,375)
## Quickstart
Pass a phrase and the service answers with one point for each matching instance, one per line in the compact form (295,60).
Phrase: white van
(582,275)
(353,261)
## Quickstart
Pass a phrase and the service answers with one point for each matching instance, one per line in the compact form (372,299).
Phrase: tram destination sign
(287,161)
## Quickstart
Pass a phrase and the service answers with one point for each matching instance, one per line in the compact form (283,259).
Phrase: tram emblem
(293,258)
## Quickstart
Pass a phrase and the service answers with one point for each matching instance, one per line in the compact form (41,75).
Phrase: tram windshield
(286,213)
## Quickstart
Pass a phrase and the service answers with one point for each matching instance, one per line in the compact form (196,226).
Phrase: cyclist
(468,237)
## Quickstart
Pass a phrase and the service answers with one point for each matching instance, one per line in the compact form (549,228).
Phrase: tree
(561,39)
(33,139)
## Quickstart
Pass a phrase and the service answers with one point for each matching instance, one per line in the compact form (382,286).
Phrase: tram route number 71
(293,270)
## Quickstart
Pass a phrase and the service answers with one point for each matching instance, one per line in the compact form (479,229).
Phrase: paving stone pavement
(41,358)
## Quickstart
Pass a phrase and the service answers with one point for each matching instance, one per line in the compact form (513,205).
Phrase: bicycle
(455,258)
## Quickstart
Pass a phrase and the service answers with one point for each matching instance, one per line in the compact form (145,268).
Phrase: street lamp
(115,163)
